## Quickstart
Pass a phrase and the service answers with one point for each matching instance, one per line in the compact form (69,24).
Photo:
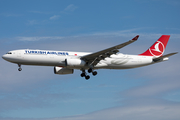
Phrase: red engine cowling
(62,71)
(75,62)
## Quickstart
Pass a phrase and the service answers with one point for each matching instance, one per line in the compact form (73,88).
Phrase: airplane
(64,62)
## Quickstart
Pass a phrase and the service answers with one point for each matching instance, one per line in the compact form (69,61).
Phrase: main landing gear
(20,69)
(93,72)
(84,74)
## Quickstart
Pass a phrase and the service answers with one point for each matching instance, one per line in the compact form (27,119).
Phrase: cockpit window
(9,53)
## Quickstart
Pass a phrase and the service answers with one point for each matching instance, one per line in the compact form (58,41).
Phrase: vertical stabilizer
(158,48)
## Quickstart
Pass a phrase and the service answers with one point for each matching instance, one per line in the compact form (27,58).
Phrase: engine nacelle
(62,71)
(75,62)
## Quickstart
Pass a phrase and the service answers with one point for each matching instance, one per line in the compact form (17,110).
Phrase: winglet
(135,38)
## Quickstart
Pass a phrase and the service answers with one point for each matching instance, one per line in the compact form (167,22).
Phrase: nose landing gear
(19,69)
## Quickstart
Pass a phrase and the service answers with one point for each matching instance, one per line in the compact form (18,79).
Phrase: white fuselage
(65,62)
(57,58)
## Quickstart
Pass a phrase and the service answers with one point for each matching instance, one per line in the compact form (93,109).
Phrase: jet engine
(75,62)
(62,71)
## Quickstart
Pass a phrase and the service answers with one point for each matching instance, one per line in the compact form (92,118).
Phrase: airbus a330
(64,62)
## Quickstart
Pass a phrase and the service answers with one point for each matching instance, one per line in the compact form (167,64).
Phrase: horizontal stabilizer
(164,56)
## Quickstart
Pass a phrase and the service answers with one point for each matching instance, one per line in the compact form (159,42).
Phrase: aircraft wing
(94,58)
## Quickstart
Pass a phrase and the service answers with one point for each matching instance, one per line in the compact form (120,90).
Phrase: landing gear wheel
(19,65)
(87,77)
(20,69)
(94,73)
(83,74)
(90,70)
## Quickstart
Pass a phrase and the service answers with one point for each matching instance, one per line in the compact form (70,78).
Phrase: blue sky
(151,92)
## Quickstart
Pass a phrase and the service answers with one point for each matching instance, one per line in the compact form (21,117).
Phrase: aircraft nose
(4,57)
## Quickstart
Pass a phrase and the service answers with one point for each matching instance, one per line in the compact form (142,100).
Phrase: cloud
(54,17)
(175,3)
(127,34)
(155,112)
(35,99)
(11,14)
(154,88)
(70,8)
(159,112)
(38,38)
(39,12)
(32,22)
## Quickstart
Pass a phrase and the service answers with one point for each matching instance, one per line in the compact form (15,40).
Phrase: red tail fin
(157,49)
